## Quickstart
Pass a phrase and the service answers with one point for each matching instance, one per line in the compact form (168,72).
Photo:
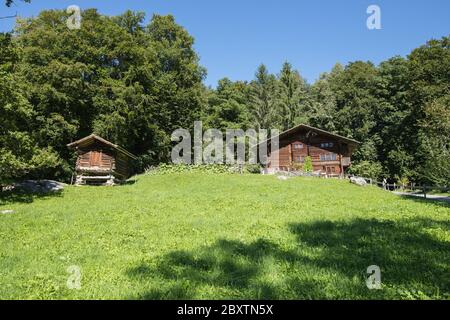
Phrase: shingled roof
(327,133)
(92,137)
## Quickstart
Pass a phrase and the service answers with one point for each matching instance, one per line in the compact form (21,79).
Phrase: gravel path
(420,195)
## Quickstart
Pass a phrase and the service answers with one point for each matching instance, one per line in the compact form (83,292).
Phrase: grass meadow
(201,236)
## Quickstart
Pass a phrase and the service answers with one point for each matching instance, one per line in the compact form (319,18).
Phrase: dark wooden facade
(330,153)
(100,161)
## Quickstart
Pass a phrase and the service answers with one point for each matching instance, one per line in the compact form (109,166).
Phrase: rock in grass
(39,186)
(7,211)
(358,181)
(283,177)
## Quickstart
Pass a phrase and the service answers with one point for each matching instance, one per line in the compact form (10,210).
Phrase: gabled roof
(92,137)
(327,133)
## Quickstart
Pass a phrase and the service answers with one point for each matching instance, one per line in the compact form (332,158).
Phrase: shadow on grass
(438,202)
(404,250)
(13,196)
(128,182)
(330,261)
(228,264)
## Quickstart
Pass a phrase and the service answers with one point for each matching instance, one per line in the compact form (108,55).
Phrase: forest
(135,83)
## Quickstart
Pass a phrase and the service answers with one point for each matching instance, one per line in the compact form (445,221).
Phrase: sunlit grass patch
(221,236)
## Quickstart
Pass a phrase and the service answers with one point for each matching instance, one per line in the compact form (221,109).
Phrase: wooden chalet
(100,161)
(330,153)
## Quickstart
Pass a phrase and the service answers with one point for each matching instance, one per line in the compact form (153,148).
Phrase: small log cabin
(330,153)
(100,161)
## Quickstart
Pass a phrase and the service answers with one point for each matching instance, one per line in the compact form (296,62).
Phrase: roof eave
(293,129)
(95,137)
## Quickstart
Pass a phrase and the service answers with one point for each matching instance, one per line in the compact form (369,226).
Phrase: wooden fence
(410,187)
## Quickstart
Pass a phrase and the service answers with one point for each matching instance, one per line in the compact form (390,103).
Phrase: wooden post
(110,170)
(290,154)
(308,142)
(110,181)
(79,180)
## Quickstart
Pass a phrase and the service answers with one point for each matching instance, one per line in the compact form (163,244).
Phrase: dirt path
(420,195)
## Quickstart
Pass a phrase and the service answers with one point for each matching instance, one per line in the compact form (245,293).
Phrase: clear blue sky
(234,36)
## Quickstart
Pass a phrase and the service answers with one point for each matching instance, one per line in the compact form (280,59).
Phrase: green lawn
(224,236)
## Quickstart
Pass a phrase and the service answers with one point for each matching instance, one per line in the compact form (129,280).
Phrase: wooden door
(95,159)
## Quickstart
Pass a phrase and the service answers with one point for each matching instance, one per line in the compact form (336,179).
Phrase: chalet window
(330,170)
(298,145)
(326,145)
(328,157)
(299,159)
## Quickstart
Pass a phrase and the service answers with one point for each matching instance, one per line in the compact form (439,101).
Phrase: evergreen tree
(263,100)
(292,97)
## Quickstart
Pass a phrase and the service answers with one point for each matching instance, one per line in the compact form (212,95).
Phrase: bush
(297,166)
(32,163)
(367,169)
(253,168)
(308,166)
(404,181)
(184,168)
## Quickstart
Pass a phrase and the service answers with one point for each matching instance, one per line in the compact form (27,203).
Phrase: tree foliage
(262,100)
(134,83)
(8,3)
(19,154)
(293,97)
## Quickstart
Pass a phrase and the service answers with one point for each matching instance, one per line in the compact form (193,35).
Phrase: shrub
(297,166)
(253,168)
(367,169)
(308,166)
(185,168)
(403,181)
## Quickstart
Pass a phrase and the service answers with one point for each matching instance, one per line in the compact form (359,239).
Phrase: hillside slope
(224,236)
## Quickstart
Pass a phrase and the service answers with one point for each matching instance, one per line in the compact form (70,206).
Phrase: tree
(393,132)
(134,84)
(131,83)
(262,99)
(19,154)
(227,106)
(323,105)
(356,100)
(434,136)
(367,169)
(428,121)
(292,97)
(179,75)
(8,3)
